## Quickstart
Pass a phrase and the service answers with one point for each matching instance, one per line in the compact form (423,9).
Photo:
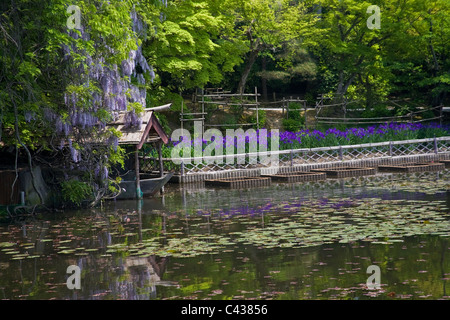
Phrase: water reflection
(115,245)
(142,275)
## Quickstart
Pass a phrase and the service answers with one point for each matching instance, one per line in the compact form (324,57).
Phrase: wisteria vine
(96,94)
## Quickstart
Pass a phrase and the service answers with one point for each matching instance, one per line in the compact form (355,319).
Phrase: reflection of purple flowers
(246,210)
(336,205)
(288,208)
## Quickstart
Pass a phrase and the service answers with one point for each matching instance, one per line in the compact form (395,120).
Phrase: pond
(286,241)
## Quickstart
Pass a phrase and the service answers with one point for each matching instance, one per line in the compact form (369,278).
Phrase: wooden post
(181,114)
(242,101)
(345,106)
(306,114)
(203,111)
(257,113)
(182,172)
(436,150)
(319,105)
(138,178)
(288,104)
(161,166)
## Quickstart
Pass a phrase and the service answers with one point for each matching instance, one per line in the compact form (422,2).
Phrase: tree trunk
(341,90)
(433,53)
(248,67)
(19,141)
(439,98)
(341,83)
(264,80)
(344,84)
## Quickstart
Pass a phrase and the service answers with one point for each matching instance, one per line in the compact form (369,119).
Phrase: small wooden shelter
(150,131)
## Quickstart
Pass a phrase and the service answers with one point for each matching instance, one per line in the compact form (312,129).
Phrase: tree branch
(19,140)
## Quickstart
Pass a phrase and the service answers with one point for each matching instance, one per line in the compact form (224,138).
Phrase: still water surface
(286,241)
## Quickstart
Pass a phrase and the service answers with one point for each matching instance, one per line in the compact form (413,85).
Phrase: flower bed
(331,137)
(386,132)
(315,146)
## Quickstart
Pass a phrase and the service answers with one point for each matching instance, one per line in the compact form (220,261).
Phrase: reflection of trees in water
(130,278)
(138,277)
(142,276)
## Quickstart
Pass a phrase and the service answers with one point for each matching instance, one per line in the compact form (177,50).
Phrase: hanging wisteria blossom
(114,142)
(132,120)
(127,69)
(152,74)
(105,173)
(29,115)
(104,86)
(140,78)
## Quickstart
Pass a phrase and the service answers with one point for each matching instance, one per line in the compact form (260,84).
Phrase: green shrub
(294,112)
(293,125)
(164,122)
(229,122)
(295,121)
(262,117)
(377,111)
(75,191)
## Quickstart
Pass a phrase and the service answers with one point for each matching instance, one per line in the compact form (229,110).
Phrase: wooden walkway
(347,172)
(446,163)
(239,183)
(292,177)
(413,167)
(246,182)
(373,163)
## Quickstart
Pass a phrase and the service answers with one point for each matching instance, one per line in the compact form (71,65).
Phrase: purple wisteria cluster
(101,86)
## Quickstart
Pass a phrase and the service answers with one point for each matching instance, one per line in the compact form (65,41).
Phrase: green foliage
(189,47)
(295,120)
(116,157)
(262,117)
(162,118)
(229,121)
(295,111)
(42,63)
(292,125)
(75,191)
(407,55)
(325,45)
(160,95)
(379,110)
(264,27)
